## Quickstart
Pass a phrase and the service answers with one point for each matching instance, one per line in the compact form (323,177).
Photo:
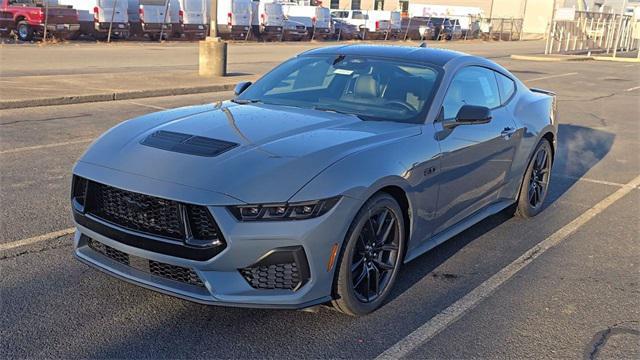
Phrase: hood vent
(187,144)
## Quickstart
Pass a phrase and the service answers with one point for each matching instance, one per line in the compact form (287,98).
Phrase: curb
(617,59)
(123,95)
(553,58)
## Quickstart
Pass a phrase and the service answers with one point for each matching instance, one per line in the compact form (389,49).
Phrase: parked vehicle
(467,16)
(343,30)
(192,18)
(387,24)
(316,19)
(417,28)
(26,18)
(267,21)
(294,31)
(96,17)
(444,29)
(318,182)
(370,28)
(234,19)
(150,18)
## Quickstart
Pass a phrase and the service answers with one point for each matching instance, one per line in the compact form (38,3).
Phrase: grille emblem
(136,204)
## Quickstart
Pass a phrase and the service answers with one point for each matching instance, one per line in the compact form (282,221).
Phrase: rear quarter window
(506,86)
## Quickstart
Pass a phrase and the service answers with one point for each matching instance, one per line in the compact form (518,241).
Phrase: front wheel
(371,257)
(24,31)
(535,185)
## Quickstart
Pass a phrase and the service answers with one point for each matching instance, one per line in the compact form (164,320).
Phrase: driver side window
(472,85)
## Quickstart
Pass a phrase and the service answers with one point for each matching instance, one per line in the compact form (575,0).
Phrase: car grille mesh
(167,271)
(149,214)
(274,276)
(137,211)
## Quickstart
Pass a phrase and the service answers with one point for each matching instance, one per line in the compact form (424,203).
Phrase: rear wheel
(24,31)
(536,181)
(371,257)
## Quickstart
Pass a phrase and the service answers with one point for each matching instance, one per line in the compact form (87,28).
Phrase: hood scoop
(187,144)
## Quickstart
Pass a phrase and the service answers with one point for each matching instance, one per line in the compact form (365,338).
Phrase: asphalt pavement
(578,299)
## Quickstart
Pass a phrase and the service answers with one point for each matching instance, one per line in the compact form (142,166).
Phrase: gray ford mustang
(314,184)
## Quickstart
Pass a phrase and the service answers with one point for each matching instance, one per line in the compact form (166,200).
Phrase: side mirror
(471,115)
(241,87)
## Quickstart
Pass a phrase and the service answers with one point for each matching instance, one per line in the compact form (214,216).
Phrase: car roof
(408,53)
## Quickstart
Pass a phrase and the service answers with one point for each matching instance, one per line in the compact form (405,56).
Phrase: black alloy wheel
(535,185)
(371,256)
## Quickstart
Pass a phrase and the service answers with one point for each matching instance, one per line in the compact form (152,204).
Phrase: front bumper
(246,244)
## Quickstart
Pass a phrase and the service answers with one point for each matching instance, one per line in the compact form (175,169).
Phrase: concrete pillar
(213,57)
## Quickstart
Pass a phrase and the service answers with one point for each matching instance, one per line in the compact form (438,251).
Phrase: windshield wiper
(321,108)
(245,101)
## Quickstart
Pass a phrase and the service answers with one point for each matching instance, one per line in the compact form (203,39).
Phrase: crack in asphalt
(594,98)
(46,119)
(601,337)
(35,251)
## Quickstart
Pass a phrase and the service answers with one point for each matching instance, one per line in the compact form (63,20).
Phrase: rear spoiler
(553,112)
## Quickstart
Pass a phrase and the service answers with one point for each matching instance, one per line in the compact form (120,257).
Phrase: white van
(314,18)
(192,18)
(151,17)
(234,19)
(96,15)
(370,28)
(390,21)
(268,20)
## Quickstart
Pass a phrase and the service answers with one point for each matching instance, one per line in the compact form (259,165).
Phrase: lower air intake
(283,268)
(163,270)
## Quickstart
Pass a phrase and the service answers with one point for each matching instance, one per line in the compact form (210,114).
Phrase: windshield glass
(373,89)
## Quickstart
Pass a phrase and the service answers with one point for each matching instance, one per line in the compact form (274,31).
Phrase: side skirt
(457,229)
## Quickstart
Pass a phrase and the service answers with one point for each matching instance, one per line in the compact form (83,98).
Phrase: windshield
(373,89)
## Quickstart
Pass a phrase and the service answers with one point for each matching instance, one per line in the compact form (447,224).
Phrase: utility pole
(213,51)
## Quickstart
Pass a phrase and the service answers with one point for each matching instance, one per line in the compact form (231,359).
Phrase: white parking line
(149,106)
(551,77)
(36,147)
(595,181)
(36,239)
(633,88)
(455,311)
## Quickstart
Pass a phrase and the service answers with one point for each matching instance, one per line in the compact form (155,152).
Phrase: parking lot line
(633,88)
(552,76)
(594,181)
(36,147)
(455,311)
(36,239)
(149,106)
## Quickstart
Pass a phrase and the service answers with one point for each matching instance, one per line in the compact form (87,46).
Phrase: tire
(531,197)
(24,31)
(379,263)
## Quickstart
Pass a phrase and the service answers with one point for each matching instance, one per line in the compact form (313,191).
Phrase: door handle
(507,133)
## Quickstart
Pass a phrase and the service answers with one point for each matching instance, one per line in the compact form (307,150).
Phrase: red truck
(27,19)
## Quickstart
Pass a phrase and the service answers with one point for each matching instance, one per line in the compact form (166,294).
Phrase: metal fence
(503,29)
(592,32)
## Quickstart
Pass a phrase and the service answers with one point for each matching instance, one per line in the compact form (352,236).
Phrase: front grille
(136,212)
(148,214)
(275,276)
(163,270)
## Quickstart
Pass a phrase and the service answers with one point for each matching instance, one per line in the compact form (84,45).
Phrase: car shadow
(579,149)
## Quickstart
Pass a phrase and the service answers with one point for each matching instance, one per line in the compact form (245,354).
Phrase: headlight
(283,212)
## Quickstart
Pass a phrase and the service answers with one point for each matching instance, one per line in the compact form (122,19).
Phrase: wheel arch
(400,196)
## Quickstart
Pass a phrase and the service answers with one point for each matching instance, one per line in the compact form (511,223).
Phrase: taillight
(141,12)
(313,20)
(41,16)
(377,25)
(181,16)
(263,16)
(229,19)
(96,14)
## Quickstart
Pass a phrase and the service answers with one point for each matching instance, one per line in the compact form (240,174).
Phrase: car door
(475,159)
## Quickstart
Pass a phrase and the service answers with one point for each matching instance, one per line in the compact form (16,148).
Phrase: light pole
(213,51)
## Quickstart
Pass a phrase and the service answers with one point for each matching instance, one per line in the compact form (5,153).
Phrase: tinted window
(471,86)
(373,89)
(507,87)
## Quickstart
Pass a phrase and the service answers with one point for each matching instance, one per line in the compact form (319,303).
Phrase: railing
(592,32)
(507,29)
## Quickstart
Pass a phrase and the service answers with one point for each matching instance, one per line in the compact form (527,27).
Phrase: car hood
(279,149)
